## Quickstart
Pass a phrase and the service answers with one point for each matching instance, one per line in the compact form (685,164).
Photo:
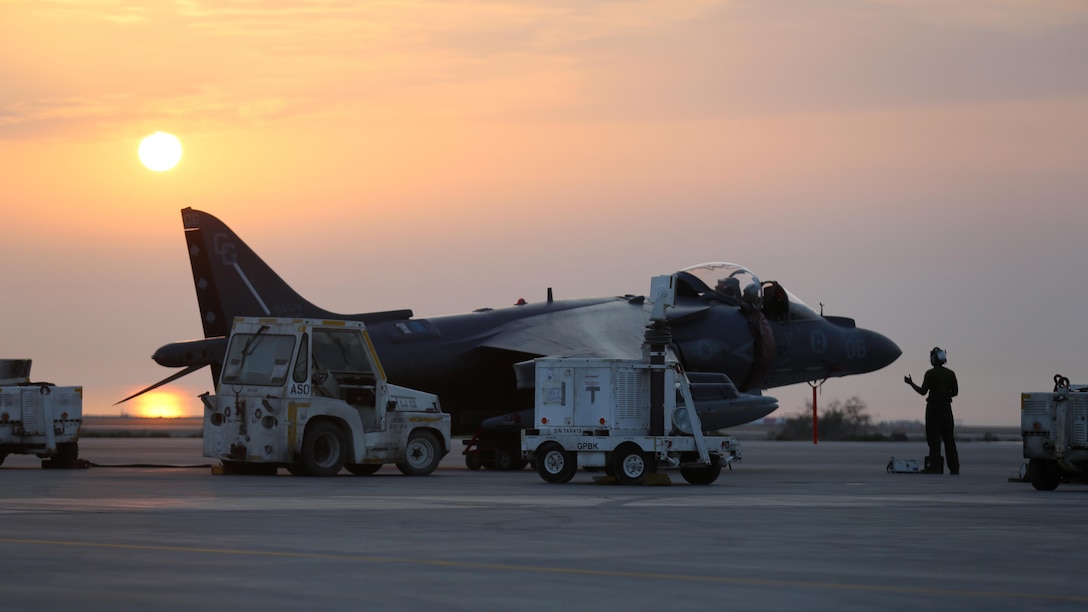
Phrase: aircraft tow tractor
(38,418)
(311,396)
(623,415)
(1054,427)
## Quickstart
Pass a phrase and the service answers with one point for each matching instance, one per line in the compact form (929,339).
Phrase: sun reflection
(160,404)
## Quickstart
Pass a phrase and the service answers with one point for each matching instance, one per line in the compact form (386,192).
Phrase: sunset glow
(160,404)
(916,166)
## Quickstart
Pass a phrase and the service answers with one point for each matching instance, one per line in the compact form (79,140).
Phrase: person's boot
(934,465)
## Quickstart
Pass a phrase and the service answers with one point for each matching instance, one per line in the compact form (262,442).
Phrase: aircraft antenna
(549,295)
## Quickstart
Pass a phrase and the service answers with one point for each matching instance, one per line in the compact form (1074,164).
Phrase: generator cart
(594,413)
(623,415)
(311,396)
(1054,427)
(38,418)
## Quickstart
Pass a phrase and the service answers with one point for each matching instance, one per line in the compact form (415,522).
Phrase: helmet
(938,356)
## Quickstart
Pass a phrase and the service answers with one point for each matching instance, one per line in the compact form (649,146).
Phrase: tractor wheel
(422,454)
(324,449)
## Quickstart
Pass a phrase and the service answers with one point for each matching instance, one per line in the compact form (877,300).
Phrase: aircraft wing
(609,329)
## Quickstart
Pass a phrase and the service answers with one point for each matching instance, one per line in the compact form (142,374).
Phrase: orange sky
(917,165)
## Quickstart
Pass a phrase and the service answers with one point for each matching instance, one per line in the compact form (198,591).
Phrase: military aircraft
(734,335)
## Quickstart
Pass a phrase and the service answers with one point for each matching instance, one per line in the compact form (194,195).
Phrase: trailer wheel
(504,460)
(323,449)
(244,468)
(703,474)
(472,461)
(67,455)
(363,469)
(422,454)
(555,464)
(1044,474)
(629,464)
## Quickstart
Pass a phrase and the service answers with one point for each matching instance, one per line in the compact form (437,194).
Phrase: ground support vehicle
(311,396)
(596,413)
(1054,427)
(494,450)
(38,418)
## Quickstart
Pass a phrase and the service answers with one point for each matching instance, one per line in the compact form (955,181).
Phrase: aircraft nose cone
(880,351)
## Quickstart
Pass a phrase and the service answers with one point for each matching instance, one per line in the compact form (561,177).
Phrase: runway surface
(794,526)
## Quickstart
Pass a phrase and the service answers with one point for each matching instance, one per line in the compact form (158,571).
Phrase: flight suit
(942,386)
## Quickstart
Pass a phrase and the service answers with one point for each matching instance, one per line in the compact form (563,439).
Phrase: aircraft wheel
(504,460)
(363,469)
(704,474)
(1044,474)
(472,460)
(324,449)
(629,464)
(2,457)
(555,464)
(421,455)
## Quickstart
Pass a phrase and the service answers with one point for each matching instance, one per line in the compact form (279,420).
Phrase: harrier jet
(740,334)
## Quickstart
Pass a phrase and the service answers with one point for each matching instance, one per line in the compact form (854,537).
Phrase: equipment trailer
(1054,427)
(595,413)
(38,418)
(311,396)
(623,415)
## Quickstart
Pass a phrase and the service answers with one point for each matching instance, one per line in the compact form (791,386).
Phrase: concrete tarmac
(794,526)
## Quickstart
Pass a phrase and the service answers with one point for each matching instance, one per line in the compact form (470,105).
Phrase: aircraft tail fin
(231,280)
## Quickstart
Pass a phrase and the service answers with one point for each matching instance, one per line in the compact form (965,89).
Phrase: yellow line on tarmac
(767,582)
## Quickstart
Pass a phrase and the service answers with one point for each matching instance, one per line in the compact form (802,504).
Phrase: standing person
(941,384)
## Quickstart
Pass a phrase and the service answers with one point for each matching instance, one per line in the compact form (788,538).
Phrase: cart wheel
(244,468)
(1044,474)
(363,469)
(324,449)
(703,474)
(503,460)
(422,454)
(629,464)
(555,464)
(472,460)
(519,464)
(67,455)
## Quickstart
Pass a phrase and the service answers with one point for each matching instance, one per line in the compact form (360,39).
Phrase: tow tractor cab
(311,395)
(38,418)
(1054,427)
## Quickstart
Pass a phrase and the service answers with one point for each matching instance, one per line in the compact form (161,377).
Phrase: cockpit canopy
(733,283)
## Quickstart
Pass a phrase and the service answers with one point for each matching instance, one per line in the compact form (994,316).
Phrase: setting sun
(160,404)
(160,151)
